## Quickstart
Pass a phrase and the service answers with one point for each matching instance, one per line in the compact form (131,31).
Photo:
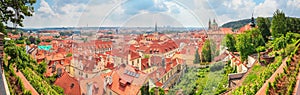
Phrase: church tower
(252,23)
(209,24)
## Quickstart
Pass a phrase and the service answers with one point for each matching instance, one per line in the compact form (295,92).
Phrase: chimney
(157,74)
(163,61)
(89,89)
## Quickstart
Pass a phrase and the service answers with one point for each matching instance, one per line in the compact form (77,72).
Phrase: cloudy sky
(184,13)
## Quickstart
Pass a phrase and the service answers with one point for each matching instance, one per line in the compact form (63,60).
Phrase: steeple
(252,23)
(209,24)
(155,27)
(214,21)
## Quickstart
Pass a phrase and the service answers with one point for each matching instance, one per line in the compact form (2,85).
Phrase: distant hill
(237,24)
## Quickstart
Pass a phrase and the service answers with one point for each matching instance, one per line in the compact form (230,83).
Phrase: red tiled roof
(159,84)
(69,84)
(226,30)
(15,36)
(145,64)
(134,55)
(46,37)
(133,84)
(161,47)
(157,74)
(172,63)
(244,28)
(97,85)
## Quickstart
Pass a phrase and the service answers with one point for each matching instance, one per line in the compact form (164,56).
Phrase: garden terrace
(285,82)
(257,78)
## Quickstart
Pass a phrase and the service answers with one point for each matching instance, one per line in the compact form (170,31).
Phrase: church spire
(209,24)
(155,26)
(252,23)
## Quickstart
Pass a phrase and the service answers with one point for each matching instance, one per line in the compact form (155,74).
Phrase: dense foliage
(39,84)
(197,57)
(285,82)
(229,41)
(244,46)
(209,51)
(187,82)
(157,91)
(202,81)
(31,70)
(264,25)
(19,58)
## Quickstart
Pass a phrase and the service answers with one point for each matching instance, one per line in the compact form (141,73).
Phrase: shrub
(69,55)
(217,66)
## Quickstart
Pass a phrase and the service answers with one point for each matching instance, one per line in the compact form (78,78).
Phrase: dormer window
(72,85)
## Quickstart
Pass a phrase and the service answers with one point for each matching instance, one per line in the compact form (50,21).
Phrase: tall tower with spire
(155,27)
(209,24)
(252,23)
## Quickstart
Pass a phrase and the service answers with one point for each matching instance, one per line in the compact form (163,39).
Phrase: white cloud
(185,12)
(266,8)
(46,9)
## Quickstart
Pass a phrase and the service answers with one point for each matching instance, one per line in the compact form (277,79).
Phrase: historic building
(213,26)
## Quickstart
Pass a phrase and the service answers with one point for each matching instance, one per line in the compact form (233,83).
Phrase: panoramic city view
(150,47)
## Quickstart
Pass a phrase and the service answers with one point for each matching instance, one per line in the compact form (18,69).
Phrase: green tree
(42,67)
(18,55)
(255,37)
(279,43)
(230,42)
(15,10)
(28,42)
(279,26)
(264,27)
(244,46)
(38,41)
(206,51)
(69,55)
(157,91)
(2,29)
(197,57)
(47,40)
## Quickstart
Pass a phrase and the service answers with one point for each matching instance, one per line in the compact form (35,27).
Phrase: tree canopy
(14,11)
(18,55)
(208,51)
(197,57)
(244,46)
(279,26)
(264,27)
(230,42)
